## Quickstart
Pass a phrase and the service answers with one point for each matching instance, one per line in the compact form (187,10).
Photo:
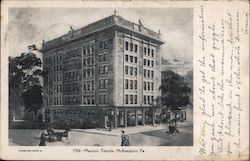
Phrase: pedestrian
(110,125)
(125,139)
(83,125)
(42,140)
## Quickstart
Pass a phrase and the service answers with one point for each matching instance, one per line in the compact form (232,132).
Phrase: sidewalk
(129,130)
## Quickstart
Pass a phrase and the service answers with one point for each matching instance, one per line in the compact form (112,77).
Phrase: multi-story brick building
(107,70)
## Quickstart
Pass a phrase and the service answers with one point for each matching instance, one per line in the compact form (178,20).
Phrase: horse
(60,135)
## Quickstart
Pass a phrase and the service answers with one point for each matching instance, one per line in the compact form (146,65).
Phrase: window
(126,84)
(145,85)
(135,71)
(131,99)
(148,86)
(126,45)
(89,100)
(152,86)
(148,73)
(152,74)
(152,99)
(101,45)
(131,84)
(84,86)
(101,70)
(148,51)
(101,86)
(106,69)
(88,86)
(105,83)
(145,72)
(92,48)
(135,59)
(135,83)
(131,70)
(148,99)
(93,100)
(126,99)
(152,63)
(126,58)
(84,51)
(135,97)
(131,59)
(131,46)
(148,62)
(135,48)
(101,99)
(152,53)
(145,50)
(92,84)
(145,100)
(126,70)
(88,51)
(145,62)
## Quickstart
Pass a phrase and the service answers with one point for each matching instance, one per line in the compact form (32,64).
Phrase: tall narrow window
(126,99)
(131,70)
(131,59)
(131,46)
(135,97)
(126,45)
(105,83)
(131,84)
(131,99)
(152,74)
(135,84)
(135,71)
(145,100)
(126,84)
(126,58)
(135,48)
(145,50)
(126,70)
(152,53)
(106,69)
(152,63)
(135,59)
(145,85)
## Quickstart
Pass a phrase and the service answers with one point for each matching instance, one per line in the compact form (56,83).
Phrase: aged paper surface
(220,64)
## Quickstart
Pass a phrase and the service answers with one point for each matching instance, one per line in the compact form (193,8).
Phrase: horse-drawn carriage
(53,136)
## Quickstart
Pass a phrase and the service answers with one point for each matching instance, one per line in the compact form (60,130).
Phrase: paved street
(139,136)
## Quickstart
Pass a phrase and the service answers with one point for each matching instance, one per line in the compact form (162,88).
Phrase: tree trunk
(175,121)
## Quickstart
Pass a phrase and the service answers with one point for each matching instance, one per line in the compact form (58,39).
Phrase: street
(139,136)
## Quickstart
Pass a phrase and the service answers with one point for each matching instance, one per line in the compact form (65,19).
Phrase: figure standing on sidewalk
(42,140)
(125,139)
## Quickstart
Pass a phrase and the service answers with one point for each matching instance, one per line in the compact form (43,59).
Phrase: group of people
(50,133)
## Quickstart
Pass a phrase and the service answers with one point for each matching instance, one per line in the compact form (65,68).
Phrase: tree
(24,74)
(32,98)
(175,92)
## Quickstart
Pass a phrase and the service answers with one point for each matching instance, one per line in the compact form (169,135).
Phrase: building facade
(107,72)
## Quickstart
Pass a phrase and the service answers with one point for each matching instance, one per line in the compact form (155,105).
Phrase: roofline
(100,25)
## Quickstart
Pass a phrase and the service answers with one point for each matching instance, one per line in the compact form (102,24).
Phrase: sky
(32,25)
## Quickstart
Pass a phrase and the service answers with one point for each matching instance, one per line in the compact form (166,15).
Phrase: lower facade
(106,117)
